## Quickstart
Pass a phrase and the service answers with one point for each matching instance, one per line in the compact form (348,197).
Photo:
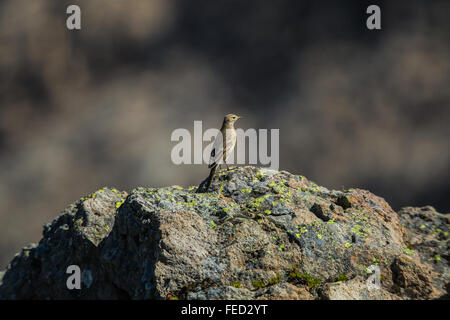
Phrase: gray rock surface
(258,234)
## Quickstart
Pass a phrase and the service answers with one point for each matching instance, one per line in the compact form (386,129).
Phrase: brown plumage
(223,146)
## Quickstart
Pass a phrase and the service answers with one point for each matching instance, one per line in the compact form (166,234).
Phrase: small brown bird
(222,148)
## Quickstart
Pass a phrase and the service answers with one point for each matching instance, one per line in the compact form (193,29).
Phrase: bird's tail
(211,176)
(204,186)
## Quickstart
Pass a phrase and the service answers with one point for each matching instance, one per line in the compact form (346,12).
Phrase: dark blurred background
(81,110)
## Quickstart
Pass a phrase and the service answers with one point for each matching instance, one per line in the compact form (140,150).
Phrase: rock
(286,291)
(344,201)
(428,241)
(73,238)
(257,234)
(412,279)
(356,289)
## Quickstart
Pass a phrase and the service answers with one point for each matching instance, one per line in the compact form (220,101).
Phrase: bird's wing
(216,151)
(230,142)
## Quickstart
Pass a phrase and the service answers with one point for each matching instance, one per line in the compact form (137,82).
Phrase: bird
(222,148)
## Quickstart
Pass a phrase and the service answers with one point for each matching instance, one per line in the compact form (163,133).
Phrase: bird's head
(231,118)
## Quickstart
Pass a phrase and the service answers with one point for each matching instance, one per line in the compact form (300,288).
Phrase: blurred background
(80,110)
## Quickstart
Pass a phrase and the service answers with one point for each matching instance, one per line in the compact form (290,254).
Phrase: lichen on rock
(257,234)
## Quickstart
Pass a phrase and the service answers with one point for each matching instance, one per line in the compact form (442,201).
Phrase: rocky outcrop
(258,234)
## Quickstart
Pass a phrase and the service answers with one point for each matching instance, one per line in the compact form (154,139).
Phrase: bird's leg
(228,168)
